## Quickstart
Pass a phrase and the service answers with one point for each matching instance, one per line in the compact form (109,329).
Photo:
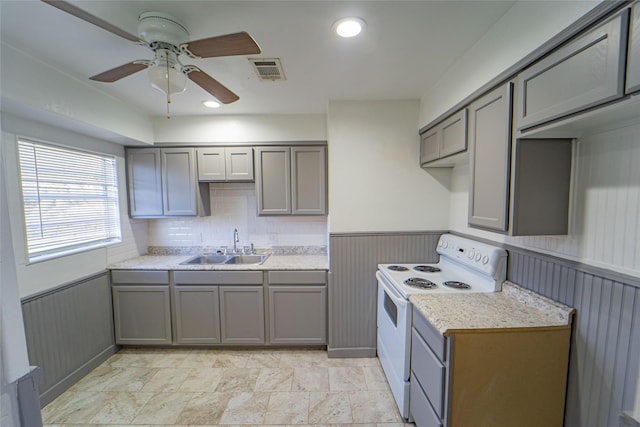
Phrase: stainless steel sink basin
(207,259)
(225,259)
(247,259)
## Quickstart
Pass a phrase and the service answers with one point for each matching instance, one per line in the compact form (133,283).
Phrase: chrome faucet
(236,240)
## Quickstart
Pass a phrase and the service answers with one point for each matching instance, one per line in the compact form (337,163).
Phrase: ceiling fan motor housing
(160,27)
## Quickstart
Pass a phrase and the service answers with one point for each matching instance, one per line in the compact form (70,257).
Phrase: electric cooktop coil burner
(397,268)
(418,282)
(457,285)
(426,268)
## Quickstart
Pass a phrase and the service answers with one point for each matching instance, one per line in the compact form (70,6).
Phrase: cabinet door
(211,164)
(179,181)
(584,73)
(633,61)
(239,164)
(273,180)
(454,134)
(430,145)
(308,181)
(142,314)
(145,183)
(489,141)
(197,315)
(298,314)
(242,314)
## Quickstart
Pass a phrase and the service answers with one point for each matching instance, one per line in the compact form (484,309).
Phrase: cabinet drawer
(430,334)
(140,277)
(584,73)
(297,277)
(421,410)
(217,277)
(429,371)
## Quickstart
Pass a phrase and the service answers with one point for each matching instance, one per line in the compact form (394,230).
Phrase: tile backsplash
(234,205)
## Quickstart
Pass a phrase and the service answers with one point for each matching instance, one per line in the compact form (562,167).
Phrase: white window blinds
(70,199)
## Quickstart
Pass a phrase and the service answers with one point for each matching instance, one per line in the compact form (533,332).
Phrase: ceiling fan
(169,39)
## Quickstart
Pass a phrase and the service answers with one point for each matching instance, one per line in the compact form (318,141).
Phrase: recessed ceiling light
(349,27)
(211,104)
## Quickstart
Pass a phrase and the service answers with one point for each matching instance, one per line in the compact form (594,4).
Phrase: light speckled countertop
(512,308)
(172,262)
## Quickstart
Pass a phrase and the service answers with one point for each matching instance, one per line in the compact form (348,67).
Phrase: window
(70,199)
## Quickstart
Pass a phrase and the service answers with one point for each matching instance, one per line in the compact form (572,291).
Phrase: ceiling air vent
(268,69)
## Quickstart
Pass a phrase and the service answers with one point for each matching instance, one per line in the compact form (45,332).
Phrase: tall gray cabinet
(291,180)
(490,143)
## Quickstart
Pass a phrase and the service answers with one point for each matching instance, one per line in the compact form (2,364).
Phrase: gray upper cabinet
(308,181)
(633,61)
(489,151)
(179,181)
(291,180)
(586,72)
(144,173)
(446,138)
(221,164)
(163,182)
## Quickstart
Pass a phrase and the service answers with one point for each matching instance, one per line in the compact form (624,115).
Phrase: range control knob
(485,259)
(478,256)
(445,245)
(440,243)
(471,254)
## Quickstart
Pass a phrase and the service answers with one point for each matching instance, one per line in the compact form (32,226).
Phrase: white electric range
(465,266)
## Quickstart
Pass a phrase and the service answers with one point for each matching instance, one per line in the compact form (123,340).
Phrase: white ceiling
(406,48)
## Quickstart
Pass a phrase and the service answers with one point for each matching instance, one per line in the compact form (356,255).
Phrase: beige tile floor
(204,387)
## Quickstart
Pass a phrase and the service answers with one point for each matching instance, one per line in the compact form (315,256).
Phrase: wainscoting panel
(353,285)
(69,331)
(605,348)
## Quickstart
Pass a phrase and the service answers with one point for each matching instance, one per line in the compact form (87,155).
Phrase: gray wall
(353,287)
(605,347)
(69,332)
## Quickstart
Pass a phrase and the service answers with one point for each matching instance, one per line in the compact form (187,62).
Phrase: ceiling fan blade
(211,85)
(228,45)
(92,19)
(120,72)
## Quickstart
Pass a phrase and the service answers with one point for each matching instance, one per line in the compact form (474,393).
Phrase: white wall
(375,182)
(34,278)
(241,128)
(37,90)
(525,27)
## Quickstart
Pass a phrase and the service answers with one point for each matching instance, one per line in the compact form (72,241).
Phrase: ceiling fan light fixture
(211,104)
(349,27)
(167,80)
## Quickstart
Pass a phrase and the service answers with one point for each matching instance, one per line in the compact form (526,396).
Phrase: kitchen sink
(225,259)
(247,259)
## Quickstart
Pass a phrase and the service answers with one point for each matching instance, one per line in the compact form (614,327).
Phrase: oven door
(394,341)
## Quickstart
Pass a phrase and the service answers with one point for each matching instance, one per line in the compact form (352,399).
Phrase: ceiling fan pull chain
(168,85)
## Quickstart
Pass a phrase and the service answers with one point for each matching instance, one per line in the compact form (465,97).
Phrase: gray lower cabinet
(446,138)
(584,73)
(197,315)
(141,307)
(163,182)
(489,158)
(221,164)
(297,307)
(291,180)
(242,314)
(633,59)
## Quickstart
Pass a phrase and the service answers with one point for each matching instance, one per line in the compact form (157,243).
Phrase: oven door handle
(393,294)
